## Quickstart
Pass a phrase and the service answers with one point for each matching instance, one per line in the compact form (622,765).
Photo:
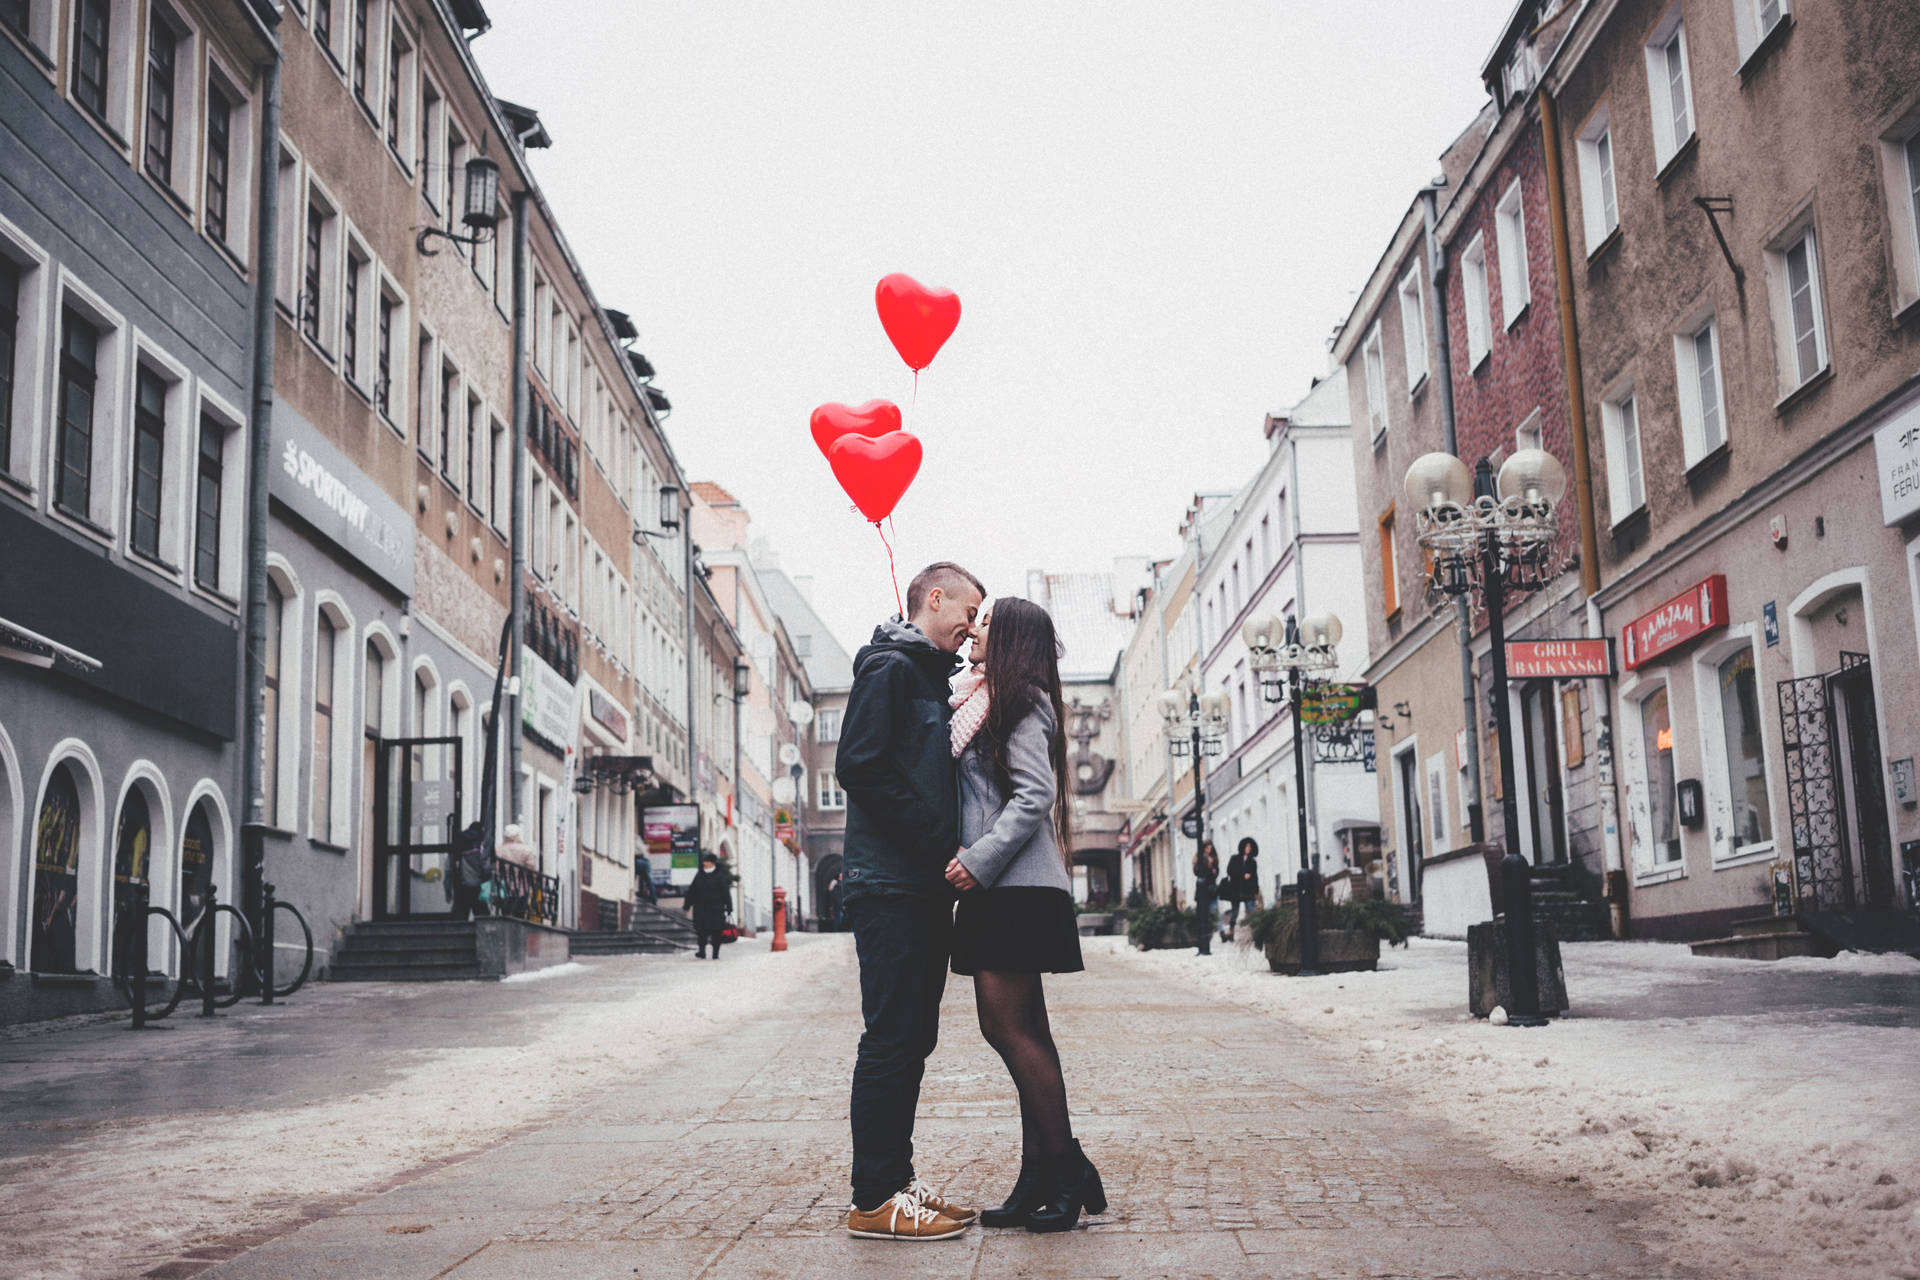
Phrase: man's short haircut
(944,574)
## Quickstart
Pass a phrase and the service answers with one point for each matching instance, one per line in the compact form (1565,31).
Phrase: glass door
(417,781)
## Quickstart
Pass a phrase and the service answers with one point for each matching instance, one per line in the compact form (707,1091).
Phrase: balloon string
(892,571)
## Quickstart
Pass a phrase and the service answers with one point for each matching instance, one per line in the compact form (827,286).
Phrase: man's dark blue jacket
(895,763)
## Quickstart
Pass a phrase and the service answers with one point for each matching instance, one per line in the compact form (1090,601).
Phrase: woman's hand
(959,877)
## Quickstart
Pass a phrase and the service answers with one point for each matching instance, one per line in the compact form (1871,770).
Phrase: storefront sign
(546,702)
(320,485)
(1896,452)
(671,833)
(1694,612)
(608,713)
(1559,659)
(1330,703)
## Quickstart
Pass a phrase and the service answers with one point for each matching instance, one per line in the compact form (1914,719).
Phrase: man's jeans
(903,944)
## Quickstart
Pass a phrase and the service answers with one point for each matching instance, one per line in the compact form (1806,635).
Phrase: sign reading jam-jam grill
(1694,612)
(1559,659)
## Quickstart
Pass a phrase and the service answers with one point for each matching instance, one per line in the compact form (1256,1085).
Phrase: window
(393,93)
(1746,755)
(477,485)
(423,396)
(1389,567)
(79,378)
(149,460)
(270,741)
(383,382)
(163,50)
(1238,595)
(323,25)
(325,640)
(1266,544)
(361,53)
(454,151)
(1667,85)
(500,487)
(831,796)
(1473,283)
(11,280)
(1413,327)
(1530,434)
(1510,238)
(206,505)
(433,136)
(1371,355)
(92,54)
(219,160)
(1656,740)
(1626,483)
(1754,21)
(1599,207)
(1802,338)
(357,265)
(290,270)
(826,725)
(449,403)
(1703,426)
(1900,171)
(318,307)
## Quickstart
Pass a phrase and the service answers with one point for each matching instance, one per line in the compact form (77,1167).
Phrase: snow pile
(89,1209)
(1753,1140)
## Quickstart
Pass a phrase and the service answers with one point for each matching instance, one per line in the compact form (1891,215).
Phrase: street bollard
(779,919)
(209,925)
(265,945)
(136,955)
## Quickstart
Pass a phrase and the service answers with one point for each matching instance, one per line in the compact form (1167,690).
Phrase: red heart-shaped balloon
(874,418)
(875,471)
(919,320)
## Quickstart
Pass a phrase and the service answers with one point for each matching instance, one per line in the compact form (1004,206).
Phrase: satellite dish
(789,755)
(800,712)
(783,791)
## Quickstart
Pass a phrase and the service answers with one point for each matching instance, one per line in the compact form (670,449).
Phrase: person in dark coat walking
(1243,876)
(472,864)
(709,900)
(1206,896)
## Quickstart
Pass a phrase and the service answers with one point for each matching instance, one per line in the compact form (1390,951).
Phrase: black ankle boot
(1021,1201)
(1069,1185)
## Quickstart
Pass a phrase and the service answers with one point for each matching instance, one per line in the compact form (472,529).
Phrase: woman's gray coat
(1010,840)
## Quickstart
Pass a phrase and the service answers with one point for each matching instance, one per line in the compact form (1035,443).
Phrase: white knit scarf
(969,703)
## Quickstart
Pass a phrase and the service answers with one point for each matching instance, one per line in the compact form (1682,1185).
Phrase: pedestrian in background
(1015,920)
(1243,880)
(472,865)
(1206,896)
(709,900)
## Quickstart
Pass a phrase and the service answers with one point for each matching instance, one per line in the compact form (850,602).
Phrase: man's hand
(959,877)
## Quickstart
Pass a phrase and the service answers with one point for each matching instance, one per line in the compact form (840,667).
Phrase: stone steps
(406,951)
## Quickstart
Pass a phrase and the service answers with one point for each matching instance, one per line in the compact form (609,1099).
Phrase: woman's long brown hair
(1023,670)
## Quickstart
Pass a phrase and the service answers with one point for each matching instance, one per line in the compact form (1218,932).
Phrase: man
(895,763)
(709,900)
(472,861)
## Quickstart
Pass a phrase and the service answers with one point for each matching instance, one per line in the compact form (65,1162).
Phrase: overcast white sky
(1154,213)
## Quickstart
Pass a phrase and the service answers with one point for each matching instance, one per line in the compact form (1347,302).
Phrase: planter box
(1341,951)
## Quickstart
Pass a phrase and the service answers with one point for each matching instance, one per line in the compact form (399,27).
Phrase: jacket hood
(895,636)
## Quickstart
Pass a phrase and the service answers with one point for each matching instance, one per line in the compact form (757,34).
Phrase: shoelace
(921,1192)
(908,1202)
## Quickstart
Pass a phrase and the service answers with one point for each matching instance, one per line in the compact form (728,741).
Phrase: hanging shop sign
(1559,659)
(322,486)
(1330,703)
(546,702)
(608,713)
(1699,609)
(1896,454)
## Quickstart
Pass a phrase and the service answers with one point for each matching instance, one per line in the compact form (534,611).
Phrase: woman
(1015,919)
(1206,896)
(1243,872)
(710,901)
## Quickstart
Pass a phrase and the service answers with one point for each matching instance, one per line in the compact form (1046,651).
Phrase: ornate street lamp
(1296,648)
(1494,537)
(1204,722)
(482,208)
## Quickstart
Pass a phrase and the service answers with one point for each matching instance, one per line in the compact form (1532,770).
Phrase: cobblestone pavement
(1227,1150)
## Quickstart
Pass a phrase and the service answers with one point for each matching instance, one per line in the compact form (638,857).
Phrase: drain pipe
(259,466)
(517,537)
(1462,608)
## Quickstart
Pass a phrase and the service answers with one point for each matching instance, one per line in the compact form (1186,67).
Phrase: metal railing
(523,893)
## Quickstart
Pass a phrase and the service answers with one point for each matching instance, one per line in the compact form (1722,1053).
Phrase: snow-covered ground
(1755,1140)
(90,1209)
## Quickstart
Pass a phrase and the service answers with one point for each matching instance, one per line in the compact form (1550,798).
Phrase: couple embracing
(953,783)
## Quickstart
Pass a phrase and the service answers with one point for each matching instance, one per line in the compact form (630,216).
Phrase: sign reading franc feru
(546,702)
(1699,609)
(1896,454)
(318,483)
(1559,659)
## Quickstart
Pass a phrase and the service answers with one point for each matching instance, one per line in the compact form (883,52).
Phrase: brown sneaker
(927,1196)
(903,1217)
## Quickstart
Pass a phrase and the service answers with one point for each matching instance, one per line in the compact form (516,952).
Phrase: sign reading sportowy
(1699,609)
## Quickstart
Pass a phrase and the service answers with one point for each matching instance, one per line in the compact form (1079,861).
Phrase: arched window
(196,863)
(325,637)
(276,619)
(376,692)
(56,880)
(132,846)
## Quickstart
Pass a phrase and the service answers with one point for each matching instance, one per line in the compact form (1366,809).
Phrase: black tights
(1013,1018)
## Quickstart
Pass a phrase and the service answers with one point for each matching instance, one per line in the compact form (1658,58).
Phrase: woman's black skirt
(1018,929)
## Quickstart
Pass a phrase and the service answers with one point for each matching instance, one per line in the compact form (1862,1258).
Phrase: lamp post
(1296,648)
(1205,722)
(1495,536)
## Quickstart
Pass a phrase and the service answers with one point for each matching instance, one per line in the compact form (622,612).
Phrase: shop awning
(19,644)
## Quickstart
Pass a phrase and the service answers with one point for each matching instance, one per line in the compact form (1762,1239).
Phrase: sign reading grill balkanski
(1559,659)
